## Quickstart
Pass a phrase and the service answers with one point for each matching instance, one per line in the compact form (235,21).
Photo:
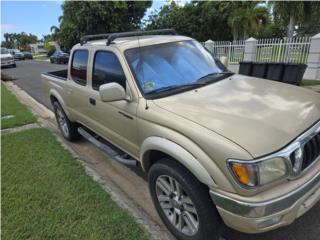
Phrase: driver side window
(107,69)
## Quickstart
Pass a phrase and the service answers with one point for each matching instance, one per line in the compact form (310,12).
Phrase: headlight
(252,174)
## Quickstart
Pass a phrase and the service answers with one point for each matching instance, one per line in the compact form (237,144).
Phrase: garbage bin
(293,73)
(275,71)
(245,68)
(259,70)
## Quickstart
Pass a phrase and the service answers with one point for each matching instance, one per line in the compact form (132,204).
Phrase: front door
(116,121)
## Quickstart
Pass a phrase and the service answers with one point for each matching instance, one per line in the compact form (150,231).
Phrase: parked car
(59,57)
(7,59)
(27,55)
(219,148)
(17,54)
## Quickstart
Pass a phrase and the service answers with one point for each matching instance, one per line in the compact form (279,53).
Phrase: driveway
(132,181)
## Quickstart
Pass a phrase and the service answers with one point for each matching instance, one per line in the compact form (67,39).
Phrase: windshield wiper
(175,87)
(213,76)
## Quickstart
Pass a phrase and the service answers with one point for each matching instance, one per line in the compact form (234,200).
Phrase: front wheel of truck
(183,203)
(68,129)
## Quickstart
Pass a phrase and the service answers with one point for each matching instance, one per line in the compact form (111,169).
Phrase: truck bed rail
(61,74)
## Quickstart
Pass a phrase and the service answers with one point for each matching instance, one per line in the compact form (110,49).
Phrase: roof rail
(86,38)
(113,36)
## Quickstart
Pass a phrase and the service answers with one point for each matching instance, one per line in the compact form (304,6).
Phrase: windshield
(171,64)
(4,51)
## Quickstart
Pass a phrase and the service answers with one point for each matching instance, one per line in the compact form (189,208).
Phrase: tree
(297,13)
(83,18)
(18,40)
(246,18)
(200,20)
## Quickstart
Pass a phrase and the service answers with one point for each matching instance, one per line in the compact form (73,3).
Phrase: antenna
(140,33)
(140,64)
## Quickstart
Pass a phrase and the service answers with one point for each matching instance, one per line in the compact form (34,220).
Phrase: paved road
(307,227)
(27,76)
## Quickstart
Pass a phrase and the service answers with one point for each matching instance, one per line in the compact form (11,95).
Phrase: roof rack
(86,38)
(112,36)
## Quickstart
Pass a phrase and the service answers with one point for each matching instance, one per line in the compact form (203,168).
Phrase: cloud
(7,27)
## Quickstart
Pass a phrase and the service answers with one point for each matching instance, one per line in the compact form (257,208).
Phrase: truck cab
(220,149)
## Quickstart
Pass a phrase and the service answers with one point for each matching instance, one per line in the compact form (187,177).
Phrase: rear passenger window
(79,66)
(107,69)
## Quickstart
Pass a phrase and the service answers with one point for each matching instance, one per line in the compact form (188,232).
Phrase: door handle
(92,101)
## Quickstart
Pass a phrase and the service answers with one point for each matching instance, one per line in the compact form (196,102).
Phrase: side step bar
(107,149)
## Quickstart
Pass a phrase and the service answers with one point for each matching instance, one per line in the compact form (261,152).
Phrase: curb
(47,120)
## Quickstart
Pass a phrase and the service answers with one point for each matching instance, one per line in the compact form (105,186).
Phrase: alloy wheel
(177,205)
(62,122)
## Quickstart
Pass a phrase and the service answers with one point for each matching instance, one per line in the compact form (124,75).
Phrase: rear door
(77,86)
(116,121)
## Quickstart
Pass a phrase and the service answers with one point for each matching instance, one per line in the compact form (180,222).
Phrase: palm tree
(246,18)
(55,32)
(294,12)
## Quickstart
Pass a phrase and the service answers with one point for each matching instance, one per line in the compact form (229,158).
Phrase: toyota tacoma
(220,149)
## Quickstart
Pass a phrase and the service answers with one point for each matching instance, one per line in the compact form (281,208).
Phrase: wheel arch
(55,97)
(156,148)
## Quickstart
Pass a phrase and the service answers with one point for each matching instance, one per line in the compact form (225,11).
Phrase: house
(38,48)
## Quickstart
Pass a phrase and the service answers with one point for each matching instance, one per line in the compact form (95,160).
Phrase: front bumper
(7,63)
(264,216)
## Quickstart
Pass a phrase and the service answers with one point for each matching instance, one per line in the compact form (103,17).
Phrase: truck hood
(7,55)
(261,116)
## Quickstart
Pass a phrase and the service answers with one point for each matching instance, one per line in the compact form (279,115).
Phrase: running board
(107,149)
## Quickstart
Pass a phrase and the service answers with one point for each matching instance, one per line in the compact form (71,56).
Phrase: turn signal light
(242,173)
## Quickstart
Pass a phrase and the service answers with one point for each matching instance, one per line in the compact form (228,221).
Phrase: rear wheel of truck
(68,129)
(183,203)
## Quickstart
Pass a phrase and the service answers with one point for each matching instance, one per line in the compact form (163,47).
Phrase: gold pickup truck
(220,149)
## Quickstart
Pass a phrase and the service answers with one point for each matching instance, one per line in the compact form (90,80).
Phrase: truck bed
(61,74)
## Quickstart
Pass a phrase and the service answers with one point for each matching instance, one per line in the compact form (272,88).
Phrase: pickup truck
(220,149)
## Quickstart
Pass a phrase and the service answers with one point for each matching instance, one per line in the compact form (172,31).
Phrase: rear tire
(68,129)
(188,213)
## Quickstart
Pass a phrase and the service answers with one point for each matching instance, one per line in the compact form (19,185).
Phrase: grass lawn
(47,195)
(11,106)
(40,57)
(306,82)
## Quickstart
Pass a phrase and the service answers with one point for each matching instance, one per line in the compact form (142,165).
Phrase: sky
(37,17)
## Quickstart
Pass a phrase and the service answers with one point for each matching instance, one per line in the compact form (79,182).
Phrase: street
(27,76)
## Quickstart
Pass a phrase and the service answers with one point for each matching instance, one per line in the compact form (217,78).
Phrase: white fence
(233,50)
(291,50)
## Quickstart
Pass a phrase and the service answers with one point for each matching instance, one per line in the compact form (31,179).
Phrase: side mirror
(111,92)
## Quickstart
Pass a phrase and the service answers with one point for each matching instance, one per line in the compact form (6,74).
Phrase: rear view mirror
(111,92)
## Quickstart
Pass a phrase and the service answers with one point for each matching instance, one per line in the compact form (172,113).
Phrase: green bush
(51,50)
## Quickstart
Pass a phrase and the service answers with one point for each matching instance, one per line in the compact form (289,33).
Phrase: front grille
(311,151)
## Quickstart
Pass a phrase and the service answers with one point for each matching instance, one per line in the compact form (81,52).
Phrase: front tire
(183,203)
(68,129)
